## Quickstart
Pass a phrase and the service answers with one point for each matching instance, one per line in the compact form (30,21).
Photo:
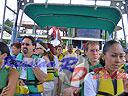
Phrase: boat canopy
(74,16)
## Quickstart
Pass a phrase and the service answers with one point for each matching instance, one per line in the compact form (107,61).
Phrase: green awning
(74,16)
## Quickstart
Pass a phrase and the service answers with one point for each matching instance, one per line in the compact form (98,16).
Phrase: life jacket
(107,86)
(91,68)
(33,85)
(3,78)
(51,73)
(60,56)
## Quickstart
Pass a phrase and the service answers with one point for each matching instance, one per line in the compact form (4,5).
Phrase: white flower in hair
(47,50)
(38,45)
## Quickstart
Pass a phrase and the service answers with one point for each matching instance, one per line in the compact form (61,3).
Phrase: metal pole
(2,29)
(14,32)
(11,9)
(126,7)
(20,20)
(70,2)
(95,2)
(124,32)
(34,31)
(46,3)
(48,39)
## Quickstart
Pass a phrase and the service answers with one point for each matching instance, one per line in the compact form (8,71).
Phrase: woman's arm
(9,90)
(41,72)
(40,75)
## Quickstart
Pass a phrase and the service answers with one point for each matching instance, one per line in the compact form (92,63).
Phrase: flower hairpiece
(47,50)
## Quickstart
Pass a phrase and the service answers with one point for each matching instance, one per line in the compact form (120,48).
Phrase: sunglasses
(27,44)
(38,48)
(95,50)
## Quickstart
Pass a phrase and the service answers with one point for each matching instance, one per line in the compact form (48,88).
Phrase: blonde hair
(91,43)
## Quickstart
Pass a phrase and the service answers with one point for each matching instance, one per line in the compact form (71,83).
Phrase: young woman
(105,82)
(8,76)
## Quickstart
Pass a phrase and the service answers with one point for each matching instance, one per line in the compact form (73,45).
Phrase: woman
(8,76)
(44,52)
(15,48)
(105,81)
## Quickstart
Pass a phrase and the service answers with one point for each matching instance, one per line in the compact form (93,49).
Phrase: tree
(8,26)
(123,43)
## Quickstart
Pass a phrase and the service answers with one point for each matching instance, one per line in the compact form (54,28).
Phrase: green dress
(3,78)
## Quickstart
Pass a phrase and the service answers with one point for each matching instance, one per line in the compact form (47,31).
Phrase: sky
(12,4)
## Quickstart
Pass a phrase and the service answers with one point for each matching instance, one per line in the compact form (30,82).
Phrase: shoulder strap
(97,85)
(35,56)
(19,57)
(115,85)
(104,93)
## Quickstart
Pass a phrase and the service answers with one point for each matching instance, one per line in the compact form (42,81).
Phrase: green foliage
(6,41)
(105,35)
(123,43)
(8,26)
(9,23)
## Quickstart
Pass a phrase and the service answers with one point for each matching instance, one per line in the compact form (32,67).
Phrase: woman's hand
(21,83)
(71,91)
(40,75)
(76,91)
(68,92)
(7,91)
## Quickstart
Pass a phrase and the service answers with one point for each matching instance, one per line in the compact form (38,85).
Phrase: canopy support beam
(2,29)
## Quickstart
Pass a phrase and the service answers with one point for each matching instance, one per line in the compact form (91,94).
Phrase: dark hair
(16,44)
(4,49)
(126,51)
(48,53)
(31,38)
(79,51)
(43,44)
(101,60)
(58,47)
(108,45)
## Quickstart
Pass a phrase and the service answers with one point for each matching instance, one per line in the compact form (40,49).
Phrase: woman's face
(15,50)
(93,53)
(77,52)
(59,50)
(39,51)
(114,57)
(2,56)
